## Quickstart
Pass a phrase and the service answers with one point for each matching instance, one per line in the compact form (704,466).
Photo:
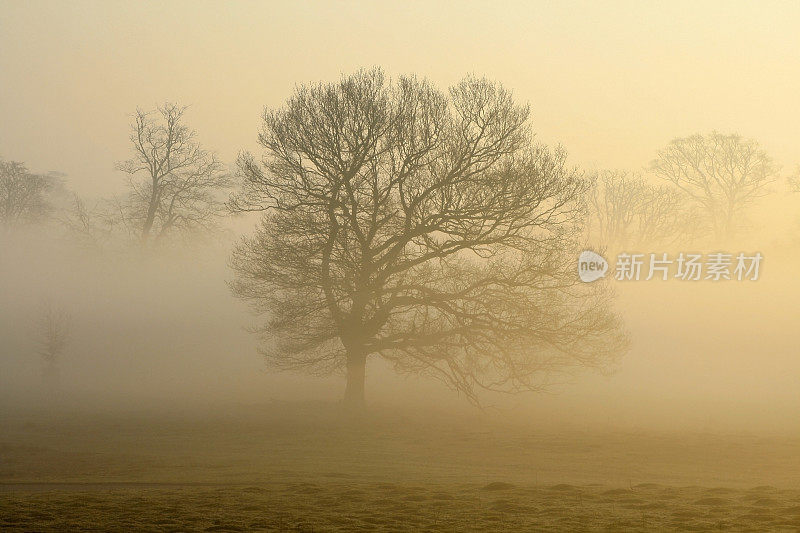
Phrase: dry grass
(308,469)
(340,506)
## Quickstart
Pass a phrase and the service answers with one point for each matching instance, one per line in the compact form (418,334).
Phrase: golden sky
(612,81)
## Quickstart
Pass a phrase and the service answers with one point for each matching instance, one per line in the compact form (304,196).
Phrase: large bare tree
(723,174)
(421,226)
(625,212)
(176,185)
(24,197)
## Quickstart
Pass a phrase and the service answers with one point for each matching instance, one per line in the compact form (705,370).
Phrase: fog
(163,330)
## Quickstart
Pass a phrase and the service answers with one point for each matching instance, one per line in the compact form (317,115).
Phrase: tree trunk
(730,223)
(151,213)
(354,391)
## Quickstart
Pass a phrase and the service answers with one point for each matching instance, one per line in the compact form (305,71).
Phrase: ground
(286,467)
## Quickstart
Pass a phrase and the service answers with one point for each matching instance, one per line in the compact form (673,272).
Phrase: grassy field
(349,506)
(309,468)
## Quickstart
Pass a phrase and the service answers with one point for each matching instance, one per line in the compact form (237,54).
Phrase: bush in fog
(53,331)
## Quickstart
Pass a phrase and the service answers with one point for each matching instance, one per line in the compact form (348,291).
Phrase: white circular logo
(591,266)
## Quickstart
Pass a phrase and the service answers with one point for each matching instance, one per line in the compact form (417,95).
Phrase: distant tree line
(175,188)
(699,187)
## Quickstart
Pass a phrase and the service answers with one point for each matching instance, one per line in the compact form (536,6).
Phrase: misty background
(612,84)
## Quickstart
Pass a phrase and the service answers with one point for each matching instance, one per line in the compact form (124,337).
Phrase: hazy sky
(612,81)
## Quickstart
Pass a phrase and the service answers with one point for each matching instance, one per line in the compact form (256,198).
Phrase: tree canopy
(723,174)
(25,197)
(422,226)
(176,185)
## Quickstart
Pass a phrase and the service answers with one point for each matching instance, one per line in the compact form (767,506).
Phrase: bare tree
(723,174)
(53,331)
(24,196)
(626,212)
(420,226)
(183,185)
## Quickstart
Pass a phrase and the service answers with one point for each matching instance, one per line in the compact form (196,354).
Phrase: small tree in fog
(626,212)
(420,226)
(24,196)
(176,185)
(53,331)
(723,174)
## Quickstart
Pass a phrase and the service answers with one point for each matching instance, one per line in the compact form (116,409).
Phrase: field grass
(350,506)
(309,468)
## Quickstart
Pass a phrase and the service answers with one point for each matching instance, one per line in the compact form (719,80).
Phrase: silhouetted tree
(627,212)
(24,196)
(421,226)
(723,174)
(183,184)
